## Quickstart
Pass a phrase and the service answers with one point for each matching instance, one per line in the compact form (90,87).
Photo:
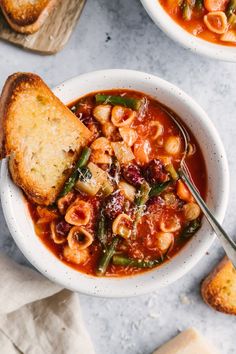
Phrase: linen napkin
(38,316)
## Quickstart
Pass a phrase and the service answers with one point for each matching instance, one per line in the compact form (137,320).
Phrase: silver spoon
(228,244)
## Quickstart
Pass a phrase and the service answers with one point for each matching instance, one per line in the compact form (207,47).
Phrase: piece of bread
(187,342)
(219,288)
(26,16)
(40,135)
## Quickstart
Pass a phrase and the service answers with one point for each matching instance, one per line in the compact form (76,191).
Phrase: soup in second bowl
(212,20)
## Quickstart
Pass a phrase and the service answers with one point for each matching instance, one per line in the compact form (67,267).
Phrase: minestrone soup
(212,20)
(124,209)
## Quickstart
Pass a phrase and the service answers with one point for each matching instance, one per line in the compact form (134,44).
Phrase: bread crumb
(154,315)
(184,299)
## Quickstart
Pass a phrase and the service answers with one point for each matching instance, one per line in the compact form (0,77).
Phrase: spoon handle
(227,243)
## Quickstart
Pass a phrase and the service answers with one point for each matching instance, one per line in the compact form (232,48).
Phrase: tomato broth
(211,20)
(128,211)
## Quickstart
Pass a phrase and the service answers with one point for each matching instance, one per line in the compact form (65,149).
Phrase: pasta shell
(108,129)
(46,215)
(172,145)
(57,238)
(164,240)
(102,113)
(64,202)
(157,129)
(79,239)
(122,116)
(122,225)
(216,22)
(79,213)
(170,224)
(75,256)
(191,211)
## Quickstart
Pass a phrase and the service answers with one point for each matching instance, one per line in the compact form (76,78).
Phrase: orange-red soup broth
(128,211)
(211,20)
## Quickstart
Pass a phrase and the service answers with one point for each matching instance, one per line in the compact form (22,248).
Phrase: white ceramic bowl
(186,39)
(20,223)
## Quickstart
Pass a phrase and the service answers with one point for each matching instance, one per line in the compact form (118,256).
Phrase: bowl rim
(151,286)
(197,45)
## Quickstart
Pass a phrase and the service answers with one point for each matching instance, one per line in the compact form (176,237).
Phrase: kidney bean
(132,174)
(62,228)
(155,172)
(113,205)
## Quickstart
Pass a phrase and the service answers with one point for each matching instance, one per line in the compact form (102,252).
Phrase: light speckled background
(138,325)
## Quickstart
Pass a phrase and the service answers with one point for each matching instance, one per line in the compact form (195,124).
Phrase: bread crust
(14,84)
(13,88)
(219,288)
(7,98)
(30,17)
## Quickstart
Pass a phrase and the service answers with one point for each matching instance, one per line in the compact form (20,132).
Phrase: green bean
(186,11)
(157,189)
(84,157)
(129,102)
(101,230)
(141,199)
(143,194)
(230,8)
(132,262)
(199,4)
(232,20)
(106,257)
(190,228)
(82,162)
(172,171)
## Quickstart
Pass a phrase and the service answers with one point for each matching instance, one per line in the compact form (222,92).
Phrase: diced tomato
(183,192)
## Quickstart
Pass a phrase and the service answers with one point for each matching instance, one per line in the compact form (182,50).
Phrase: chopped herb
(190,228)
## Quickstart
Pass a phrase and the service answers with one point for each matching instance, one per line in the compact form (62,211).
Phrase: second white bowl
(186,39)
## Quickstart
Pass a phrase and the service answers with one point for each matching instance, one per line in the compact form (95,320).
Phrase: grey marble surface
(119,34)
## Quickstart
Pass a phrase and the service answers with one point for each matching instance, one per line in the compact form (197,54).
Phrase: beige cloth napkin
(37,316)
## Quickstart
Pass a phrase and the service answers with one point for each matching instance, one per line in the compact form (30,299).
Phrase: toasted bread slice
(189,341)
(219,288)
(41,136)
(26,16)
